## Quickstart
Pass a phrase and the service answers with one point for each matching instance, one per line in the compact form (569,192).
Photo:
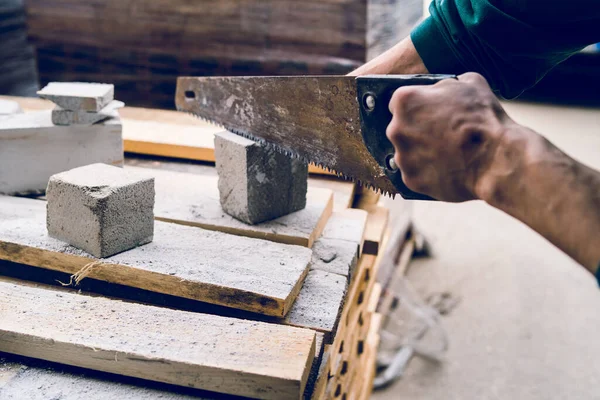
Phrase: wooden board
(32,149)
(343,191)
(377,223)
(319,303)
(182,261)
(191,199)
(347,225)
(156,344)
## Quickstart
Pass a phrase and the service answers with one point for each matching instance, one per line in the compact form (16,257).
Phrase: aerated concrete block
(257,184)
(79,96)
(101,209)
(64,117)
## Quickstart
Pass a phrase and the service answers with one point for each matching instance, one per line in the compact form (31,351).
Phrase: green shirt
(512,43)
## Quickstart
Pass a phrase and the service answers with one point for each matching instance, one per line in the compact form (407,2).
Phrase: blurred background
(142,46)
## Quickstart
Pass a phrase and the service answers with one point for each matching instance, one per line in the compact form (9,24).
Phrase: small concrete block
(61,116)
(101,209)
(336,256)
(257,184)
(79,96)
(9,107)
(319,303)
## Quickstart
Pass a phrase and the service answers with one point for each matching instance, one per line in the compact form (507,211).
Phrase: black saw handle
(374,94)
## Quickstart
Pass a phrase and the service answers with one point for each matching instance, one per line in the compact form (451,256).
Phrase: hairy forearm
(400,59)
(532,180)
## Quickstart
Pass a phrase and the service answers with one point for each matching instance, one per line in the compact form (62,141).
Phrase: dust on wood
(226,355)
(183,261)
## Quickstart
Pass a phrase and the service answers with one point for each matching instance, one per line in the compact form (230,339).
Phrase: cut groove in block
(257,184)
(78,96)
(101,209)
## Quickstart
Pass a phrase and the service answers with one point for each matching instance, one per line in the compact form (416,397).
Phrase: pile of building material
(279,309)
(143,49)
(33,147)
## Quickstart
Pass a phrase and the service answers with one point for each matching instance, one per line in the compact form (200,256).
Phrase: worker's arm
(454,142)
(512,43)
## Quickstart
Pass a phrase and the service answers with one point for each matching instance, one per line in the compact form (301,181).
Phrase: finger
(474,79)
(404,95)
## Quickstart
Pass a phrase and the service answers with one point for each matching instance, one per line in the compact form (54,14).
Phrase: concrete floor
(527,325)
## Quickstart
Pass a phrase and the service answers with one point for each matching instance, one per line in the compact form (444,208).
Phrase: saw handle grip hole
(190,95)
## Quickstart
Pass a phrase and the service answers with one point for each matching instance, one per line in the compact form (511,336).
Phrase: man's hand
(454,142)
(445,135)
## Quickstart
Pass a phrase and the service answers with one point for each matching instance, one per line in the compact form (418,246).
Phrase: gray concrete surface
(257,184)
(101,209)
(79,95)
(527,325)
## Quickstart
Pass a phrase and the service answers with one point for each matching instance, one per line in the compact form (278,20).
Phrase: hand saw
(335,122)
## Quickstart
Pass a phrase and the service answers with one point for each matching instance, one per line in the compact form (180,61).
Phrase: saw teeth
(291,154)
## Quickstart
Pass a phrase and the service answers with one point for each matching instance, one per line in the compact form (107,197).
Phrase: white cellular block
(77,96)
(32,149)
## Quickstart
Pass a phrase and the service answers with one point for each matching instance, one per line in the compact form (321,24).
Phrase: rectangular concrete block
(257,184)
(101,209)
(78,96)
(64,117)
(32,149)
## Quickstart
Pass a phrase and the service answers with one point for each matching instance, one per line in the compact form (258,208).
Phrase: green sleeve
(513,43)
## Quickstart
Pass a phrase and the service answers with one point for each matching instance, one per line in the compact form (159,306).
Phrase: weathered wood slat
(182,261)
(193,200)
(203,351)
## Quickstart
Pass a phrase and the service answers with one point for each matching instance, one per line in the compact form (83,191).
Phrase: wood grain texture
(182,261)
(32,149)
(142,46)
(155,343)
(191,199)
(377,223)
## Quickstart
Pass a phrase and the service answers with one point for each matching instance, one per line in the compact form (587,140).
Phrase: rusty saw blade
(314,118)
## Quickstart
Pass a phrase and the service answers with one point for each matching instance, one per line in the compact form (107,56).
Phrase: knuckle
(400,97)
(393,130)
(473,78)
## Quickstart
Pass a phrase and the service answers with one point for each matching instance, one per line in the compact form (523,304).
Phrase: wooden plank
(319,303)
(377,223)
(32,149)
(193,200)
(182,261)
(347,225)
(156,344)
(343,191)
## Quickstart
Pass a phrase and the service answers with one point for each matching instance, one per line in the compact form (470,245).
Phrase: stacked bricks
(81,103)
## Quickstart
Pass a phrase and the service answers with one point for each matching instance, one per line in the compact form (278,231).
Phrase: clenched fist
(445,136)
